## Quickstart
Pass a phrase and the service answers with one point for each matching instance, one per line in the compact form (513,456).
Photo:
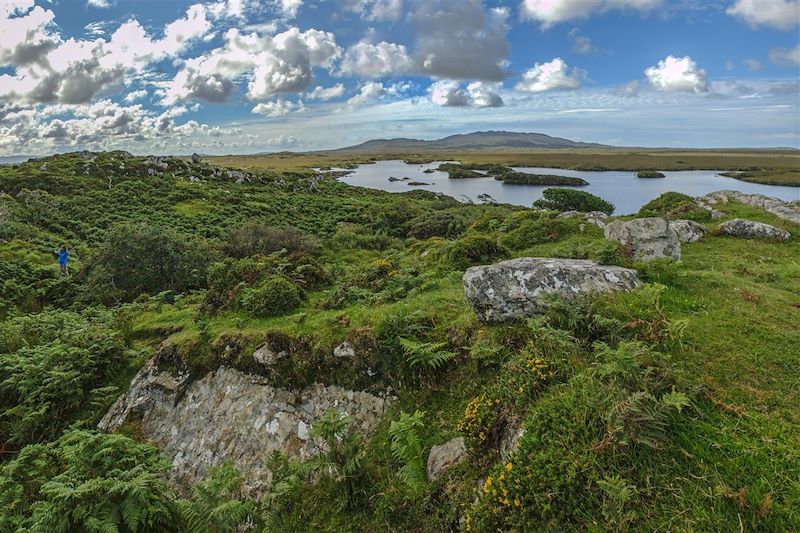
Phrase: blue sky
(244,76)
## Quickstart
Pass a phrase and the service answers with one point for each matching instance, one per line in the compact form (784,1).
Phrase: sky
(250,76)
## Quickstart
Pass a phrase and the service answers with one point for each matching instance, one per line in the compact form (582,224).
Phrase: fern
(428,354)
(406,446)
(344,456)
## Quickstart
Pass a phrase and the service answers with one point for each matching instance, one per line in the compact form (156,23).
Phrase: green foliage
(86,481)
(539,230)
(572,200)
(52,366)
(446,224)
(603,252)
(217,504)
(675,205)
(431,355)
(142,259)
(274,296)
(343,459)
(406,445)
(616,502)
(474,250)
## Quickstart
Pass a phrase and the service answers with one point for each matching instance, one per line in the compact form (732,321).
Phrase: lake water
(627,192)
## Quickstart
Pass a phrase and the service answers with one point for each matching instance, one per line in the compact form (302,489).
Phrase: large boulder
(444,456)
(519,288)
(230,415)
(646,239)
(750,229)
(688,230)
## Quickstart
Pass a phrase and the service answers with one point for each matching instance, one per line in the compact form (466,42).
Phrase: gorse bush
(257,238)
(560,200)
(274,296)
(474,250)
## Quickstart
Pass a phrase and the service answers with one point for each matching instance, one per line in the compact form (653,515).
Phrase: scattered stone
(509,442)
(229,415)
(518,288)
(443,457)
(196,158)
(598,218)
(789,211)
(688,230)
(344,350)
(750,229)
(43,168)
(646,239)
(267,356)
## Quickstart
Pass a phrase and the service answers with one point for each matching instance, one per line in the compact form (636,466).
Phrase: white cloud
(460,40)
(551,12)
(555,74)
(753,65)
(477,94)
(785,57)
(289,8)
(781,14)
(278,108)
(580,43)
(98,3)
(375,90)
(370,60)
(630,89)
(135,95)
(376,10)
(678,74)
(324,94)
(276,64)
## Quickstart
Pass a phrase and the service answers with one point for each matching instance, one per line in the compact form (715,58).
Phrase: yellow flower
(509,466)
(516,503)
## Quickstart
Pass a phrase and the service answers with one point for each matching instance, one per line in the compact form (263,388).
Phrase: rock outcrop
(519,288)
(597,218)
(646,239)
(750,229)
(231,415)
(688,230)
(443,457)
(789,211)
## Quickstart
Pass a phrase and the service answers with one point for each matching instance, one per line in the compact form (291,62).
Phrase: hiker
(63,257)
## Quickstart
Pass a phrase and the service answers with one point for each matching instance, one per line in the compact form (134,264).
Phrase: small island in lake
(650,174)
(507,175)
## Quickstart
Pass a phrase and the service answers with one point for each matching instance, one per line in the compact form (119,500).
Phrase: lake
(627,192)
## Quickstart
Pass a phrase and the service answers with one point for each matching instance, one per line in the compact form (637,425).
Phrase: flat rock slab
(749,229)
(646,239)
(443,457)
(231,415)
(519,288)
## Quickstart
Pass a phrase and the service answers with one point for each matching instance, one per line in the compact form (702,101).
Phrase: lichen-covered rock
(597,218)
(789,211)
(267,356)
(344,350)
(750,229)
(688,230)
(518,288)
(229,415)
(444,456)
(646,239)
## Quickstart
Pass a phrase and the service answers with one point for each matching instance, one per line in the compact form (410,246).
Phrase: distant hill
(482,140)
(14,159)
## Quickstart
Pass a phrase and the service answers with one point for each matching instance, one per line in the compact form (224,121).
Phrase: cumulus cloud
(781,14)
(785,57)
(324,94)
(376,10)
(276,64)
(377,60)
(555,74)
(278,108)
(375,90)
(477,94)
(678,74)
(551,12)
(289,8)
(99,3)
(460,40)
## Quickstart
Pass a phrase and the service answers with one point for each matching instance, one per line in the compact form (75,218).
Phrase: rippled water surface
(627,192)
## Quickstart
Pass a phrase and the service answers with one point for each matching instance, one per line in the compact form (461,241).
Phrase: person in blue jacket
(63,258)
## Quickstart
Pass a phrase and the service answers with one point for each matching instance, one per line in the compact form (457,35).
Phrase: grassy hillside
(673,408)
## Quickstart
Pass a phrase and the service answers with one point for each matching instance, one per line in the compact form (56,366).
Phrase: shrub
(675,205)
(437,224)
(475,250)
(539,231)
(559,199)
(258,238)
(138,259)
(603,252)
(274,296)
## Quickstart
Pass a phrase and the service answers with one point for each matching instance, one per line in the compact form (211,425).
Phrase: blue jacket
(63,256)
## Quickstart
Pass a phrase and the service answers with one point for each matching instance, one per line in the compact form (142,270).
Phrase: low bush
(675,205)
(559,199)
(257,238)
(274,296)
(540,230)
(475,250)
(444,224)
(603,252)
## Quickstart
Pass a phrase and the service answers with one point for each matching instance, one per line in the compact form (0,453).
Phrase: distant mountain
(14,159)
(481,140)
